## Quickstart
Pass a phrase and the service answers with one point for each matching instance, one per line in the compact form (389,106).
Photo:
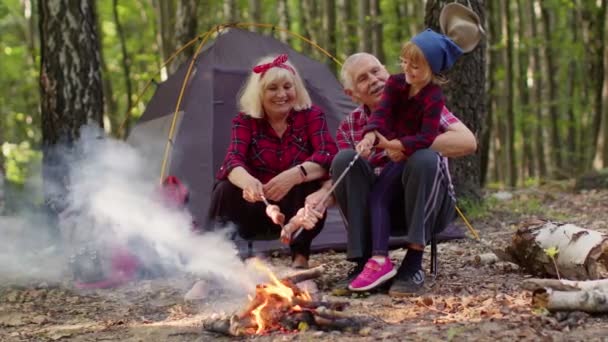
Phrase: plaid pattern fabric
(256,147)
(350,132)
(414,121)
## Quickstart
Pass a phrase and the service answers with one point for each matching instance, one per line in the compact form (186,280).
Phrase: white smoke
(113,199)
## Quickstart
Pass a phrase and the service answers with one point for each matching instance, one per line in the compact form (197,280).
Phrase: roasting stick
(288,235)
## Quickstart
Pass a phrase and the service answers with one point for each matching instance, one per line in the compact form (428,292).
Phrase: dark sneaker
(407,285)
(352,274)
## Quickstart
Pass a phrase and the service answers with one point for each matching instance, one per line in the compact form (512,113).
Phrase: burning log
(281,306)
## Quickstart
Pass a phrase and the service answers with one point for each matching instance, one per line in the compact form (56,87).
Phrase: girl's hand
(281,184)
(395,155)
(364,147)
(253,190)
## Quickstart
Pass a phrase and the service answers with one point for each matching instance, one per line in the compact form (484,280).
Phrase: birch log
(565,285)
(592,301)
(583,253)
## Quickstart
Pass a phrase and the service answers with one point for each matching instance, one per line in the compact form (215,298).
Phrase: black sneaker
(352,274)
(408,285)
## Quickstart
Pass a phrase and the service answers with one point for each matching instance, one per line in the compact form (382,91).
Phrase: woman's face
(279,97)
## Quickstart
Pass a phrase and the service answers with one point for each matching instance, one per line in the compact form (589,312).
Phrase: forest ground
(467,302)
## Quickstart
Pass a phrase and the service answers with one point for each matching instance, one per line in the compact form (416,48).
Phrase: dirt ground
(466,302)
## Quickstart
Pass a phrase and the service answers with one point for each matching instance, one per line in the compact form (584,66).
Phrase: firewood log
(312,273)
(583,253)
(592,301)
(566,285)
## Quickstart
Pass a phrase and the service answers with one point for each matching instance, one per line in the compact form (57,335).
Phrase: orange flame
(257,315)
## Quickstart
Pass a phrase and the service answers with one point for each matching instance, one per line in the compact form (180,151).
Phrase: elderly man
(428,197)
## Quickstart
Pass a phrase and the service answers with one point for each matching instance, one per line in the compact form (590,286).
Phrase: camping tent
(202,131)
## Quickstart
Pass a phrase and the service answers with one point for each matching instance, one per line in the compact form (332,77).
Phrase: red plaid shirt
(256,147)
(414,121)
(350,132)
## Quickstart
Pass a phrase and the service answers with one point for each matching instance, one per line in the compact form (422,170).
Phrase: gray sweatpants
(422,206)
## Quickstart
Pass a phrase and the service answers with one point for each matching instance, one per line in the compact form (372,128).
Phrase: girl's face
(417,74)
(279,97)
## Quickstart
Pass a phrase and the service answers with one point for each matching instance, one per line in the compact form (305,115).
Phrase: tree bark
(509,90)
(465,95)
(539,141)
(582,253)
(377,36)
(552,71)
(255,12)
(305,27)
(329,26)
(70,86)
(571,147)
(126,68)
(363,27)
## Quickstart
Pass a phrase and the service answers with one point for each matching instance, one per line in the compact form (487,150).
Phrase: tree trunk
(494,32)
(70,86)
(305,27)
(571,90)
(581,253)
(595,17)
(363,27)
(165,24)
(186,25)
(284,20)
(255,13)
(552,71)
(126,68)
(466,97)
(509,90)
(524,90)
(377,37)
(231,14)
(347,27)
(539,141)
(566,285)
(329,26)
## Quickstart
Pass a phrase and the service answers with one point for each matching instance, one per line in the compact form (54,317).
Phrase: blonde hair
(412,52)
(346,75)
(250,96)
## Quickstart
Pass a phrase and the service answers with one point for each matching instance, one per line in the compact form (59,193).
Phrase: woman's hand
(364,147)
(253,190)
(281,184)
(306,217)
(314,200)
(274,212)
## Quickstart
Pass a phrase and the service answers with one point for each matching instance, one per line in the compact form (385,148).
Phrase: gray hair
(346,76)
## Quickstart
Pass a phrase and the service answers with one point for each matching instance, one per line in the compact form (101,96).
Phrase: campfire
(281,306)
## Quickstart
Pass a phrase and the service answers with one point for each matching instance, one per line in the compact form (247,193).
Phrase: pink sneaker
(373,275)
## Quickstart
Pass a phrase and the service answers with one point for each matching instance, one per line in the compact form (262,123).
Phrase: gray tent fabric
(203,125)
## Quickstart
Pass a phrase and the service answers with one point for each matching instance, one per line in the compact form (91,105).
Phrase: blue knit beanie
(440,51)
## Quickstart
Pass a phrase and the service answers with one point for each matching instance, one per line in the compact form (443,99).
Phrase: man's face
(369,78)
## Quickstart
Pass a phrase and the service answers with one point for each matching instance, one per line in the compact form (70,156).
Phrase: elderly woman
(280,152)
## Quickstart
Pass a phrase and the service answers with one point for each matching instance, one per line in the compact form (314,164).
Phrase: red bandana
(278,62)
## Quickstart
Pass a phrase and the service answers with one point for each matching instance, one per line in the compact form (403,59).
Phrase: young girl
(407,120)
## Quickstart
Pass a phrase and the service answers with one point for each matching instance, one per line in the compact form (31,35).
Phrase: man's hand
(253,190)
(279,186)
(364,147)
